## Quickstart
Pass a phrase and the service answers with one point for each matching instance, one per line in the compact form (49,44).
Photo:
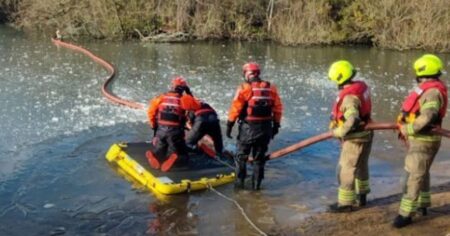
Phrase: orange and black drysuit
(258,109)
(167,116)
(205,122)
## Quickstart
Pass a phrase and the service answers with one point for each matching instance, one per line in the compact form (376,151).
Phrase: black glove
(230,125)
(275,129)
(187,90)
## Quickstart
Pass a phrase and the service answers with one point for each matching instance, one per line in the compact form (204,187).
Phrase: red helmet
(250,70)
(179,81)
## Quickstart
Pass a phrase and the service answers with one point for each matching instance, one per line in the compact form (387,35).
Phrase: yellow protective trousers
(418,162)
(353,169)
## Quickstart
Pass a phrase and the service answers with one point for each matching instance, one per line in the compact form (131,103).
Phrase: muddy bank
(377,217)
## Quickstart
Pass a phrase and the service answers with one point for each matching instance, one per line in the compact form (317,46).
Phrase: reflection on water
(56,127)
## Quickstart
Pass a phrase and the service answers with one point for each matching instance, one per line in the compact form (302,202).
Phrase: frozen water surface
(56,127)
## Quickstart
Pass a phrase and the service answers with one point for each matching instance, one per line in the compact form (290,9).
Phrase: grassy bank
(399,24)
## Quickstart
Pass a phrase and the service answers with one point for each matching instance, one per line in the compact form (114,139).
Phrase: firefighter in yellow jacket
(422,110)
(350,112)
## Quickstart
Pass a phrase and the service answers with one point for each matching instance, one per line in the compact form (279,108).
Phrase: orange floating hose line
(274,155)
(327,135)
(111,74)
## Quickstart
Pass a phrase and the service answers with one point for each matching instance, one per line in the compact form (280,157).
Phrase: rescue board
(199,173)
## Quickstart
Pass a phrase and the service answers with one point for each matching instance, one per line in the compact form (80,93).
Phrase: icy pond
(56,127)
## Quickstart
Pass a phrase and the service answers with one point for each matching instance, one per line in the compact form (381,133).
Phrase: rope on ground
(239,207)
(223,162)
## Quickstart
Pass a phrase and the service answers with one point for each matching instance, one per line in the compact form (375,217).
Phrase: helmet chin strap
(421,79)
(254,79)
(349,81)
(251,77)
(341,86)
(178,89)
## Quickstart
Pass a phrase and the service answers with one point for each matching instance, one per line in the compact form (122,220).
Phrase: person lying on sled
(205,121)
(167,116)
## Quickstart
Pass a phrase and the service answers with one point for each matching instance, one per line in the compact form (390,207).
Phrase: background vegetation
(399,24)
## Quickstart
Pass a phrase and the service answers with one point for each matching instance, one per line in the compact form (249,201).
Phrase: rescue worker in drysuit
(167,116)
(423,109)
(350,112)
(204,121)
(258,109)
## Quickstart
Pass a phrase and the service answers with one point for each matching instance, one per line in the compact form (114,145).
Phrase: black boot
(401,221)
(423,211)
(241,173)
(258,174)
(256,185)
(335,208)
(362,200)
(253,182)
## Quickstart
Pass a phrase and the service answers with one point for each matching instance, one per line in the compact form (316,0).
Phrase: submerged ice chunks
(387,144)
(48,205)
(304,108)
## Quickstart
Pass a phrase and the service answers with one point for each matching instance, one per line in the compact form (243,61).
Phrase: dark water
(56,127)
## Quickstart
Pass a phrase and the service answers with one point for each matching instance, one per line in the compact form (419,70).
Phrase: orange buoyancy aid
(170,112)
(411,105)
(358,89)
(260,105)
(205,108)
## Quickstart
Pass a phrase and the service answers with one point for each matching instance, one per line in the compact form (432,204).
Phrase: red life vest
(260,104)
(204,109)
(360,90)
(411,105)
(170,112)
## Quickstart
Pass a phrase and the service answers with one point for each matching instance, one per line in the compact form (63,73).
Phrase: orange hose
(327,135)
(277,154)
(302,144)
(111,70)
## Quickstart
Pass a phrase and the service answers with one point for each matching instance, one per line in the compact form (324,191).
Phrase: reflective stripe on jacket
(205,108)
(170,112)
(411,106)
(424,108)
(256,101)
(174,107)
(362,92)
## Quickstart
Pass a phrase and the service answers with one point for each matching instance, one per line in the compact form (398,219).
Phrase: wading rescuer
(423,109)
(167,116)
(205,121)
(350,112)
(258,109)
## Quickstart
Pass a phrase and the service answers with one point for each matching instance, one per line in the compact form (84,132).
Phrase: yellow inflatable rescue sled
(199,173)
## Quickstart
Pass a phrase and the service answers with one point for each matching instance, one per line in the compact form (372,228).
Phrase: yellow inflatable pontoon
(200,172)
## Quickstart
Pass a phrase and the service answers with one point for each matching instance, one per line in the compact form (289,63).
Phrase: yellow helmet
(428,65)
(341,71)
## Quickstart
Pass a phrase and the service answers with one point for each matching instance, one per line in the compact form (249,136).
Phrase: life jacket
(260,105)
(170,112)
(205,108)
(411,105)
(358,89)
